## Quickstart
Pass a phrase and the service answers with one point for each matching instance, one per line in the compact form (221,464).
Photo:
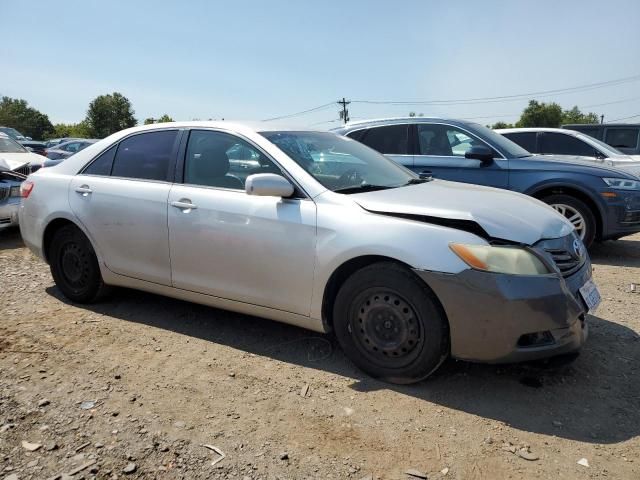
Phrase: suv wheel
(74,266)
(578,213)
(389,323)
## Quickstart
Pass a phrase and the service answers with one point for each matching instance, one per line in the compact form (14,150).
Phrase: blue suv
(600,197)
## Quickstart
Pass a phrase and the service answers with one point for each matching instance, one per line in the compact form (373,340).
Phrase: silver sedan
(319,231)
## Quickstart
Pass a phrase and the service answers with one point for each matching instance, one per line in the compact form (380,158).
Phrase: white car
(319,231)
(16,163)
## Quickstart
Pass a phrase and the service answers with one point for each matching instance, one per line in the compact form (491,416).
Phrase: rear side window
(145,156)
(561,144)
(622,137)
(391,140)
(102,165)
(526,140)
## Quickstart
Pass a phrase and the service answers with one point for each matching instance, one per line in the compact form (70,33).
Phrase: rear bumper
(497,318)
(9,212)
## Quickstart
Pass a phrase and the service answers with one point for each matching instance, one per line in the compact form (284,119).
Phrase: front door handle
(84,190)
(184,204)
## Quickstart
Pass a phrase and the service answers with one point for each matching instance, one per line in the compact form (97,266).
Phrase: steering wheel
(350,177)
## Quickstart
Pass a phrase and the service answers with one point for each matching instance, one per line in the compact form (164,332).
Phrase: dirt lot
(160,378)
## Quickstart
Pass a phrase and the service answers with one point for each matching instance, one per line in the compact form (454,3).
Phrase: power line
(314,109)
(520,96)
(623,118)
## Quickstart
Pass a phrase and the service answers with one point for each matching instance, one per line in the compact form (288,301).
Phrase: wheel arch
(348,268)
(546,190)
(52,227)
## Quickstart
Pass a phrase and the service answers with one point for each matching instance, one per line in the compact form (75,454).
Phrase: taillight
(25,188)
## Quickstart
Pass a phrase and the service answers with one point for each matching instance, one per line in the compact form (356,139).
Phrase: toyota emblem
(578,249)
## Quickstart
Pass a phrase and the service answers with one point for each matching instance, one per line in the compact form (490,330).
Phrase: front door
(440,152)
(223,242)
(121,199)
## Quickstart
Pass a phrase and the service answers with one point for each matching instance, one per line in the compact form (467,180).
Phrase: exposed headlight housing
(499,259)
(622,183)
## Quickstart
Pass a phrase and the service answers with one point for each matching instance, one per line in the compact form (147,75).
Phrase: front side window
(145,156)
(561,144)
(526,140)
(622,137)
(340,163)
(445,141)
(217,159)
(390,140)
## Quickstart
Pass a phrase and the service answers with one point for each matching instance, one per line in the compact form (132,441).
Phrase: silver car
(319,231)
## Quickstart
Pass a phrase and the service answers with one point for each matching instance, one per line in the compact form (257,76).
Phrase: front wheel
(578,213)
(74,266)
(390,324)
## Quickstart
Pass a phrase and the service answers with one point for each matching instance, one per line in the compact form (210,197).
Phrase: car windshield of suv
(8,145)
(507,147)
(341,164)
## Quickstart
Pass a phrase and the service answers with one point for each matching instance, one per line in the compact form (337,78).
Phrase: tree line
(105,115)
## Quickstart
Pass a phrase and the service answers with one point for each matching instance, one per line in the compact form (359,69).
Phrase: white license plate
(590,295)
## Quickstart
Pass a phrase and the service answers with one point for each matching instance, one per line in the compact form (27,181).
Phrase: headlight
(622,183)
(15,191)
(511,260)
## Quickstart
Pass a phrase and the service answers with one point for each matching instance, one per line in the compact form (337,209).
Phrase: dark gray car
(600,197)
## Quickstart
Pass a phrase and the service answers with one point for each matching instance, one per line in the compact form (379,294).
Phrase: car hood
(502,214)
(16,160)
(627,163)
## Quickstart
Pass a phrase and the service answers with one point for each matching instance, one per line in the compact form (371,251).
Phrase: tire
(74,266)
(390,324)
(570,206)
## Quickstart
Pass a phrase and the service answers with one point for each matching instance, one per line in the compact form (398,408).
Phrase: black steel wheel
(390,324)
(74,266)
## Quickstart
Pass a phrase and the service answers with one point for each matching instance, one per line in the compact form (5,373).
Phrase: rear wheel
(578,213)
(389,323)
(74,266)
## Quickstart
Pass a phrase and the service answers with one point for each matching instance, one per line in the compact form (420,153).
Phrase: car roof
(397,120)
(534,129)
(253,126)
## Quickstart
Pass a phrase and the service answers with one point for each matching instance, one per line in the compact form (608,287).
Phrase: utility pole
(601,119)
(344,113)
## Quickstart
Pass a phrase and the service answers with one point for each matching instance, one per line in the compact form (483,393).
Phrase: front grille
(562,253)
(26,170)
(4,193)
(631,217)
(565,261)
(5,220)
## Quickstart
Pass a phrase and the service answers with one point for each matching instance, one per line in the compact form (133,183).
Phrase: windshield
(339,163)
(506,146)
(12,132)
(8,145)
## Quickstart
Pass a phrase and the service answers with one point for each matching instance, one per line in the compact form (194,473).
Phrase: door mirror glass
(479,152)
(268,185)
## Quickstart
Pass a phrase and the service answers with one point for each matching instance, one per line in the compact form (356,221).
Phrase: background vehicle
(57,141)
(315,230)
(557,141)
(15,164)
(34,146)
(66,149)
(623,136)
(13,133)
(601,199)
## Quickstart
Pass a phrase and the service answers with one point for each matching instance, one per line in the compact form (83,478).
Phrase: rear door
(121,199)
(441,152)
(392,141)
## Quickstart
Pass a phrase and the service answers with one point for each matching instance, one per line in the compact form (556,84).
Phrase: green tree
(163,119)
(501,125)
(576,116)
(108,114)
(540,114)
(75,130)
(17,113)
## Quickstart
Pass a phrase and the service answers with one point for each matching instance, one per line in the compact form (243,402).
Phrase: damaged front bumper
(9,212)
(498,318)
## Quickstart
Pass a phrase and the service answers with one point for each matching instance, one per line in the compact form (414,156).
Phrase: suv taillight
(25,188)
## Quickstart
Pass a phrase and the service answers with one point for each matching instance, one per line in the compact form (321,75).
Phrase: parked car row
(319,230)
(601,199)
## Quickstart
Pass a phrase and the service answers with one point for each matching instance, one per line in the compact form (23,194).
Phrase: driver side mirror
(268,185)
(479,152)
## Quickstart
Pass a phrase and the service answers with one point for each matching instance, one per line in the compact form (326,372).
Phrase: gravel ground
(139,385)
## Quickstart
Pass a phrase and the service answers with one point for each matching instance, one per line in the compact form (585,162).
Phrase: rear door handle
(84,190)
(184,204)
